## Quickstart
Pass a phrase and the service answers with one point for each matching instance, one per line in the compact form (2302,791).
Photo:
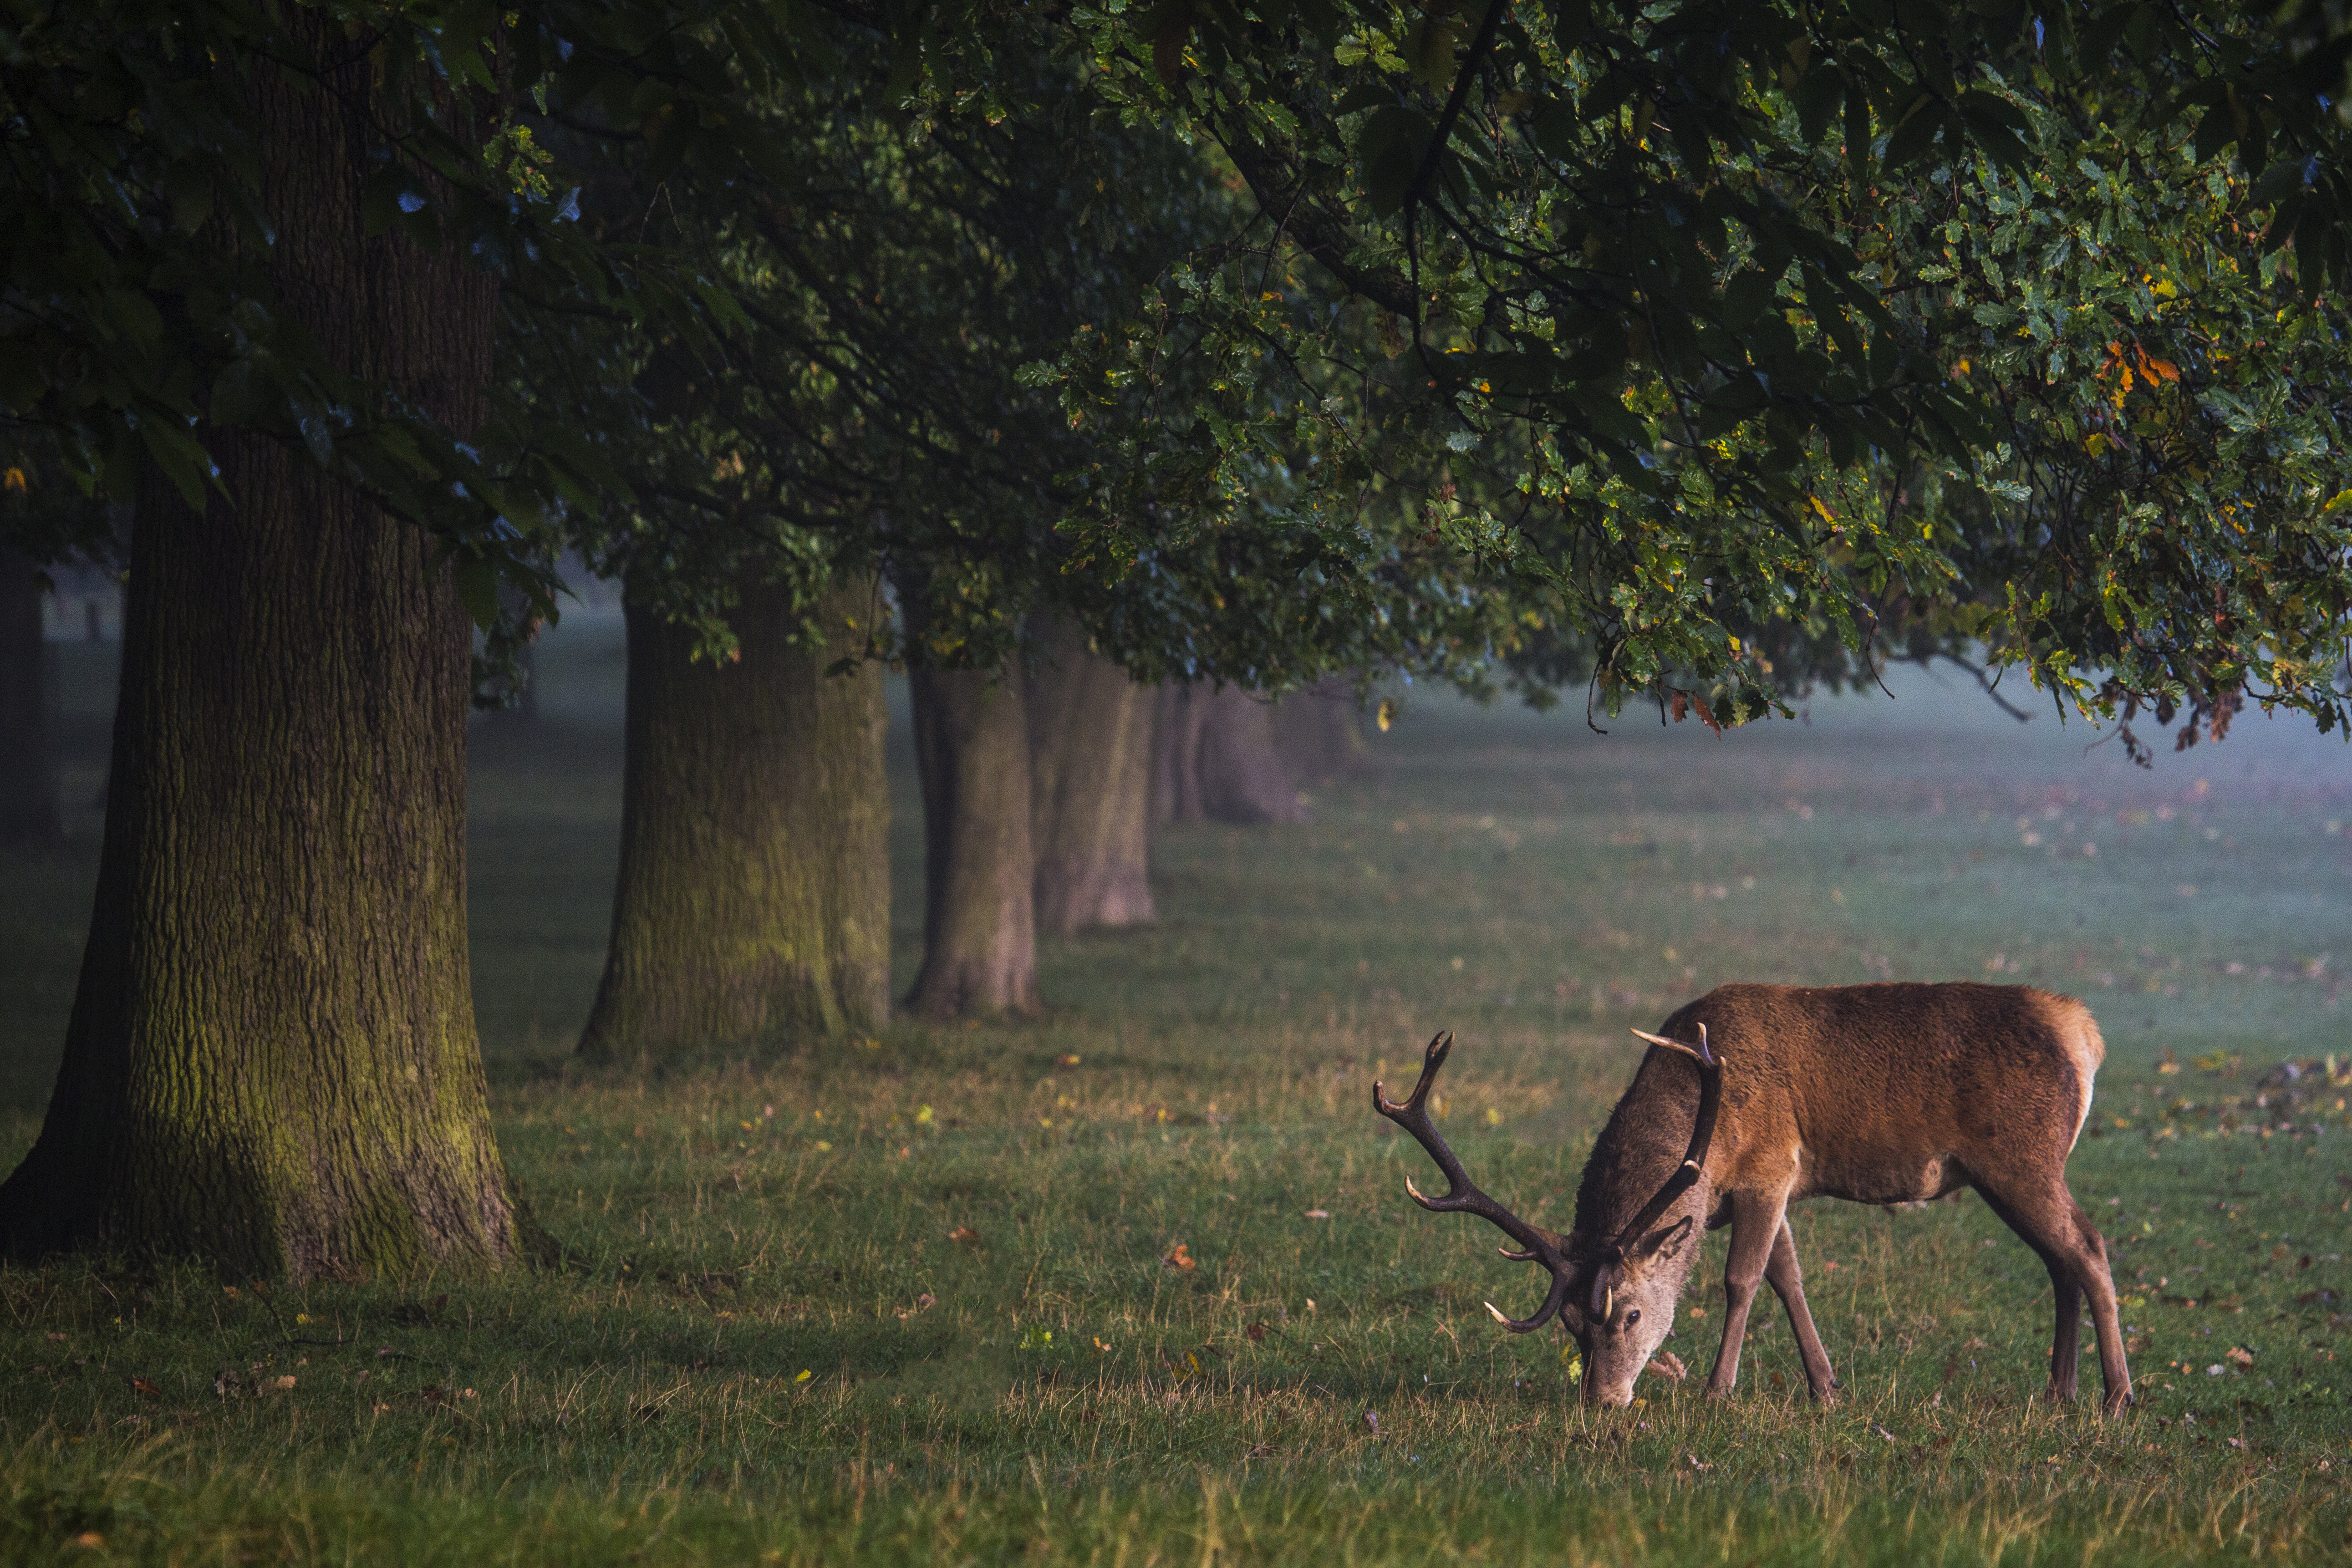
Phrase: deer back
(1881,1093)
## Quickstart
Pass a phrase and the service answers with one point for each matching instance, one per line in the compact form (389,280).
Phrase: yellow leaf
(804,1376)
(1387,714)
(2343,498)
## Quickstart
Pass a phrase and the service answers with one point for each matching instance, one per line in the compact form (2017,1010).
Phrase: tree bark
(754,894)
(271,1061)
(28,785)
(980,930)
(1090,730)
(1217,760)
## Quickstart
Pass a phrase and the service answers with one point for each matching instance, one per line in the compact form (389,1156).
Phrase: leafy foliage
(1677,352)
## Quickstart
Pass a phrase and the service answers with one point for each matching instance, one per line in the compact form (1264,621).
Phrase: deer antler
(1461,1196)
(1710,1100)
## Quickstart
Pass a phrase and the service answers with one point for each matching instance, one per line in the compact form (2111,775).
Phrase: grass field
(1138,1284)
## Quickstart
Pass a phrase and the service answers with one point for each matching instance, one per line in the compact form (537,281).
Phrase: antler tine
(1462,1194)
(1699,1052)
(1555,1299)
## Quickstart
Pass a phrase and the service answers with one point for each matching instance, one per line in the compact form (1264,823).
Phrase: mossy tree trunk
(271,1061)
(1217,760)
(1090,733)
(979,929)
(754,893)
(28,785)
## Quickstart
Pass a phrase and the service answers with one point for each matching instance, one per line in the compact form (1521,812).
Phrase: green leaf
(2281,179)
(1390,151)
(2215,131)
(1857,133)
(182,459)
(1998,127)
(1915,134)
(1818,94)
(1747,296)
(477,589)
(190,192)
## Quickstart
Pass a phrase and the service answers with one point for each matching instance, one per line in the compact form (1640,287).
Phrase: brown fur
(1877,1094)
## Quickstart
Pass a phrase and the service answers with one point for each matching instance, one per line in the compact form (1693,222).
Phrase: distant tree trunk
(29,786)
(1318,733)
(271,1061)
(980,928)
(1090,730)
(1217,760)
(754,893)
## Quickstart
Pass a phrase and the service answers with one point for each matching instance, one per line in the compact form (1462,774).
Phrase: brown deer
(1754,1097)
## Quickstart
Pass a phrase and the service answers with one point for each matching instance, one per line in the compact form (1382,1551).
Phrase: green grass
(912,1300)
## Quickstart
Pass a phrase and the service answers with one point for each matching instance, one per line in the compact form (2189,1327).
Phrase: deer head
(1615,1294)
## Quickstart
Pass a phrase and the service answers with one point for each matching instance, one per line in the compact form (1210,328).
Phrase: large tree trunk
(754,892)
(1319,732)
(271,1061)
(28,785)
(980,930)
(1217,760)
(1090,730)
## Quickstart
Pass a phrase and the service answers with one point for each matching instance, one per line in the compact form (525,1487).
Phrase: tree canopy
(1733,334)
(1707,340)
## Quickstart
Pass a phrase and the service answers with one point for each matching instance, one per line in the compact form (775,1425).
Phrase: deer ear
(1665,1243)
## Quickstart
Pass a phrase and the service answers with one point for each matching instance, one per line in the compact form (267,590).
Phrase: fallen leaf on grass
(140,1385)
(1667,1365)
(1069,1060)
(2240,1354)
(1179,1259)
(963,1233)
(1256,1333)
(1318,1214)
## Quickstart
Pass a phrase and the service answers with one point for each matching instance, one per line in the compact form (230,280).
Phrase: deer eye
(1633,1317)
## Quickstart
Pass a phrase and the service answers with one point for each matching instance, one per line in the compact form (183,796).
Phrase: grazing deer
(1878,1094)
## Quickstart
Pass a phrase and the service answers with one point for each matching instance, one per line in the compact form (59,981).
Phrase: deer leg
(2052,1224)
(1788,1282)
(2066,1346)
(1755,1220)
